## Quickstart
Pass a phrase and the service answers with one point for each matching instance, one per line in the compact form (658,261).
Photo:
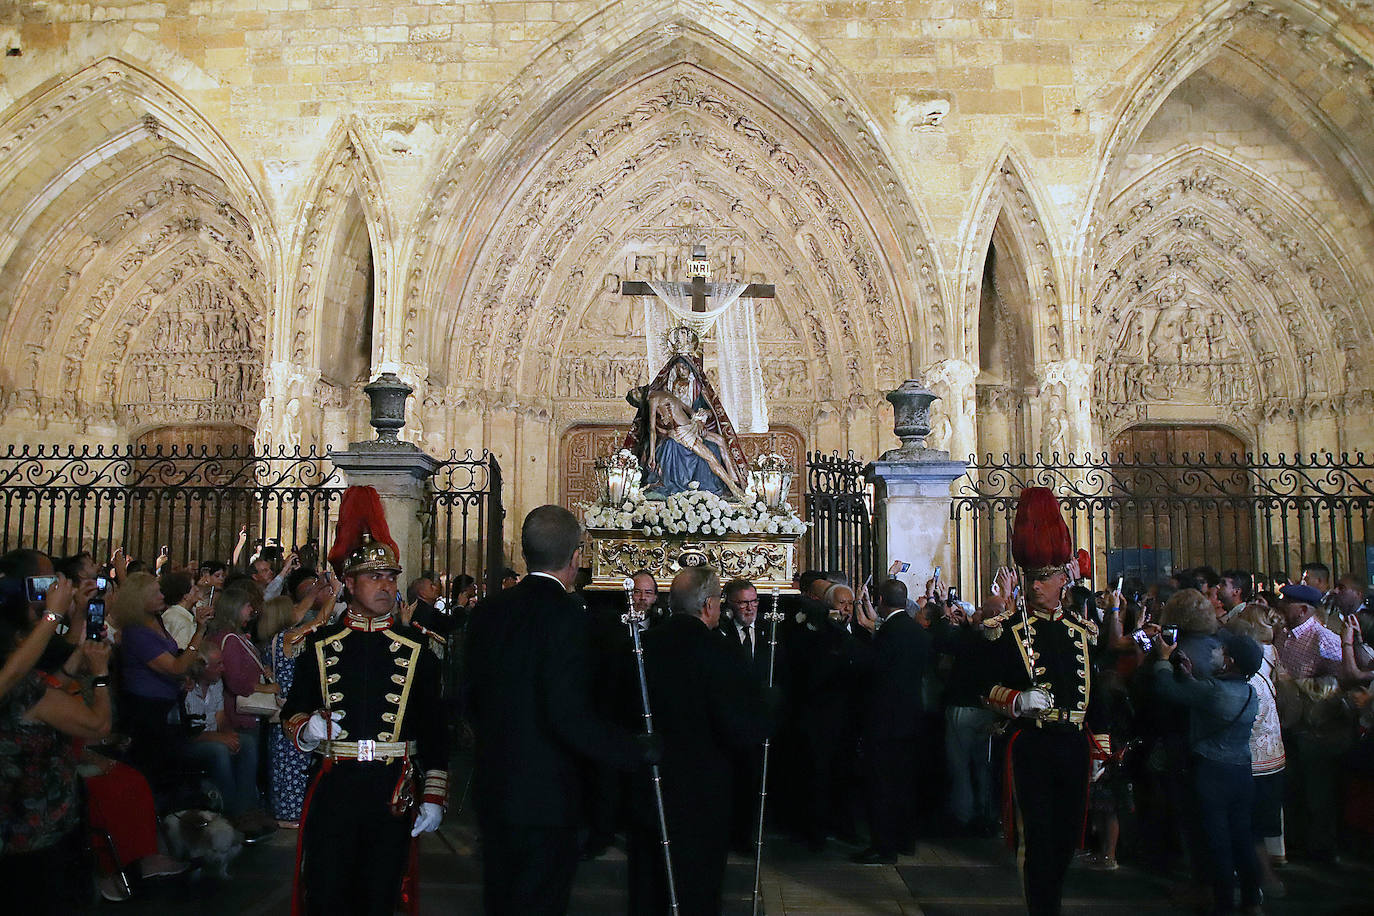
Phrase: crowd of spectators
(109,723)
(1239,710)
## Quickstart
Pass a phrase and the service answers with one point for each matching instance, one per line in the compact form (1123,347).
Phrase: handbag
(259,702)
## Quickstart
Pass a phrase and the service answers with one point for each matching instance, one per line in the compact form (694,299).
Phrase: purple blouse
(139,646)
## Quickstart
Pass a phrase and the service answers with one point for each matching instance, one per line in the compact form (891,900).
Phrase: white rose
(657,530)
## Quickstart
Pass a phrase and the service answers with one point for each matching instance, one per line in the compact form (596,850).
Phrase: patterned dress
(288,764)
(38,800)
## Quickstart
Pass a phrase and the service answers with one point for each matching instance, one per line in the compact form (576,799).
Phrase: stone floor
(958,876)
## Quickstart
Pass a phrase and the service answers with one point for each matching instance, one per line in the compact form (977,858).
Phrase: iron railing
(464,528)
(193,501)
(839,506)
(1142,517)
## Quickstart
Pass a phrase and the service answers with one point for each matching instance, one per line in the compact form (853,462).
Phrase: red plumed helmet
(362,540)
(1085,564)
(1040,540)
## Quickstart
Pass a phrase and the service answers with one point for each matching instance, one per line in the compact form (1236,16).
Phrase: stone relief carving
(951,417)
(1213,288)
(604,375)
(729,134)
(198,359)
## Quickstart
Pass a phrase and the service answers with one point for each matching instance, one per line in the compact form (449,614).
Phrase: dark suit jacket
(526,692)
(892,701)
(705,706)
(758,664)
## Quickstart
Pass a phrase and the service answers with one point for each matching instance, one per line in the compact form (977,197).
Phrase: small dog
(203,838)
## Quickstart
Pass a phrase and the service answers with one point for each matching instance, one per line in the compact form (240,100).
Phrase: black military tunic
(355,832)
(1049,756)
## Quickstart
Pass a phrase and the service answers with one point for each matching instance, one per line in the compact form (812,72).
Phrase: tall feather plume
(360,512)
(1039,536)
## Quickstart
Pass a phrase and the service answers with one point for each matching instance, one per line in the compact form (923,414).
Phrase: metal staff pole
(632,618)
(773,616)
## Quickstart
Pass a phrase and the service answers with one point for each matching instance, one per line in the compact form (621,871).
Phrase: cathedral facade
(1073,219)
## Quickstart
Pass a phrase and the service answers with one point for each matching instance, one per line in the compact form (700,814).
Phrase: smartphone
(101,583)
(38,587)
(1120,582)
(936,576)
(1169,634)
(953,598)
(95,619)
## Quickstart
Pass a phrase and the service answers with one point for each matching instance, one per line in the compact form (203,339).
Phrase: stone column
(912,485)
(398,470)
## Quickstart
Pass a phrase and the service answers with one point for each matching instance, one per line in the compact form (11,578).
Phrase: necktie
(749,638)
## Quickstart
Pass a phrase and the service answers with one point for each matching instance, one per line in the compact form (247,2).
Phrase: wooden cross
(698,269)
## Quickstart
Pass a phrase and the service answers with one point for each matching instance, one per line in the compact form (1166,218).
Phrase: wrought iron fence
(839,505)
(1143,517)
(192,502)
(464,529)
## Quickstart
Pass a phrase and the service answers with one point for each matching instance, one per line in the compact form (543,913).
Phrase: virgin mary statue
(681,434)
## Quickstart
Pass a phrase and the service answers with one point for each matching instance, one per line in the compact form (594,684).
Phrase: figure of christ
(671,420)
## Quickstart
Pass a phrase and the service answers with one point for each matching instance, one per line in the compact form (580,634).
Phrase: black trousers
(699,850)
(526,870)
(1225,794)
(1050,773)
(891,768)
(353,849)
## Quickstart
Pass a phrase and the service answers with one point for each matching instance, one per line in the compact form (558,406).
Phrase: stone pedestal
(911,514)
(398,471)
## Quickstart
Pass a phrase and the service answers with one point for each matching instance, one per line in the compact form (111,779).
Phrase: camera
(95,619)
(101,583)
(37,587)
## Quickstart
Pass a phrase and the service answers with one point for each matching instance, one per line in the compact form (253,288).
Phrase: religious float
(680,493)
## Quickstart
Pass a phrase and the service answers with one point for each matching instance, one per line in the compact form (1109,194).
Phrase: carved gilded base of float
(767,560)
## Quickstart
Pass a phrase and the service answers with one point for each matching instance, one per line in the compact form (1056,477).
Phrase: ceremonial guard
(366,701)
(1040,677)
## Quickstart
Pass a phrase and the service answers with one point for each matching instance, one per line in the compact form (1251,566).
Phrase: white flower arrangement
(694,512)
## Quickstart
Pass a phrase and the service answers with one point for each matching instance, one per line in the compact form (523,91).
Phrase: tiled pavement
(963,877)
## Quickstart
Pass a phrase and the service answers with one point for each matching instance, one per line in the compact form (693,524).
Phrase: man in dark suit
(829,655)
(892,711)
(743,632)
(705,706)
(526,690)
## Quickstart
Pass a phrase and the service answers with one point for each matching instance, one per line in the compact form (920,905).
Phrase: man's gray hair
(691,588)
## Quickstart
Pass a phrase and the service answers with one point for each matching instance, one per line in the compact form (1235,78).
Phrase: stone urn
(388,395)
(911,422)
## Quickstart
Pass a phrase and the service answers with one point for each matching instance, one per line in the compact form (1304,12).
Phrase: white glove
(1099,767)
(318,729)
(1031,702)
(427,821)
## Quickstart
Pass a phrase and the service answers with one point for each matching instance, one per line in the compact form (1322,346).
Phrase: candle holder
(617,477)
(771,477)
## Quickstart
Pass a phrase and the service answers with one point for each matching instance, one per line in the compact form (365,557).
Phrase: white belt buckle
(367,749)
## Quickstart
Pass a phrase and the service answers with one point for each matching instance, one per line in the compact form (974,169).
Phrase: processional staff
(632,619)
(772,617)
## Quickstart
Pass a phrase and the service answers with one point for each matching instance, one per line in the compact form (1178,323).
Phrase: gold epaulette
(1089,627)
(992,626)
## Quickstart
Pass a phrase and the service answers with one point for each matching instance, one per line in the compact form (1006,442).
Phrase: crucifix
(698,270)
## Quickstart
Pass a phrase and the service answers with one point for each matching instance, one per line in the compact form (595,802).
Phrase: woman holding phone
(152,668)
(40,825)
